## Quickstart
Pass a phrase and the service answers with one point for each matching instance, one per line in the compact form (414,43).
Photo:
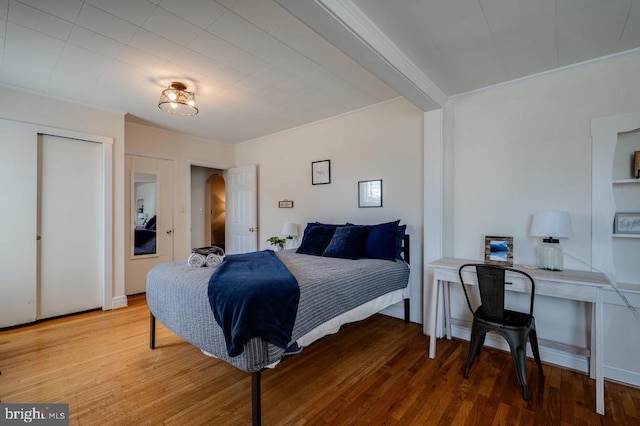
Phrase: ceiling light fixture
(177,100)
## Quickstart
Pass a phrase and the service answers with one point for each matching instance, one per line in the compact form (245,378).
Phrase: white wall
(525,147)
(184,151)
(44,111)
(379,142)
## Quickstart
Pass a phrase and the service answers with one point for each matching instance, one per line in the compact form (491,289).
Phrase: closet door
(18,160)
(70,226)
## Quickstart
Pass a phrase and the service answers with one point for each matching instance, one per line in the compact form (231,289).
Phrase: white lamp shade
(289,229)
(551,224)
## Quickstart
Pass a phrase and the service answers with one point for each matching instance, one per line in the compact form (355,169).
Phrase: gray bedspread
(177,297)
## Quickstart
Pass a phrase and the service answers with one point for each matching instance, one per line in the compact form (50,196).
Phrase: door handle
(170,231)
(253,229)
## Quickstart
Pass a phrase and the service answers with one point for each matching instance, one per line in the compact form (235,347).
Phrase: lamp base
(550,255)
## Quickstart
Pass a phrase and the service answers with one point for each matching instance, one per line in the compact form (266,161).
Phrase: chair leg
(533,338)
(519,357)
(475,345)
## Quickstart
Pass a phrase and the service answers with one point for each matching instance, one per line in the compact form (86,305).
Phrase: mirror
(144,213)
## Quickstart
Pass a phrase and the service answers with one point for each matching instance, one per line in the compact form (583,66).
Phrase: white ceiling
(258,69)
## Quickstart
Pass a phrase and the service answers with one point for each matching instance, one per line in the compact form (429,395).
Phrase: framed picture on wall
(498,250)
(370,193)
(285,204)
(321,172)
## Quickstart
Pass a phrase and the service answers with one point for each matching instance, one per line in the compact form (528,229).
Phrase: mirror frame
(134,210)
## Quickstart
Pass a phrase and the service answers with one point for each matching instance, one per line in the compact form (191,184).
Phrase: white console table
(582,286)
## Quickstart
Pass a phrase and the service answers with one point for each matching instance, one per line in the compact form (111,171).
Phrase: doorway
(208,207)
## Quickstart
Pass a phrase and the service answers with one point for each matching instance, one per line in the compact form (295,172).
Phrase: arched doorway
(208,207)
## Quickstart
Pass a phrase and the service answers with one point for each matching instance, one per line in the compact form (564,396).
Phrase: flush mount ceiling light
(177,100)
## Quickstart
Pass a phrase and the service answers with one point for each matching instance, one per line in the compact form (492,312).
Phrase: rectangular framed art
(285,204)
(498,250)
(626,223)
(321,172)
(370,193)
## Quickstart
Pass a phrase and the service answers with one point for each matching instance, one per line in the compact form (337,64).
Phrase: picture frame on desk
(626,223)
(498,250)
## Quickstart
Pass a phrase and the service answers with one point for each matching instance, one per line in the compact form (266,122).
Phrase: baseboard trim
(556,356)
(397,311)
(119,302)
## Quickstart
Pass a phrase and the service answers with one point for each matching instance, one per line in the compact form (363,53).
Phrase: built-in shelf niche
(614,190)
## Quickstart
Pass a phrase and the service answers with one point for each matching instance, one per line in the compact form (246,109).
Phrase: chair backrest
(491,283)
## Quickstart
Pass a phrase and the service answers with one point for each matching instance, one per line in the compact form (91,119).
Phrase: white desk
(573,285)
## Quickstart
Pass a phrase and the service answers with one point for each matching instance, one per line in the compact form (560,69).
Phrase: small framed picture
(498,250)
(370,193)
(285,204)
(626,223)
(321,172)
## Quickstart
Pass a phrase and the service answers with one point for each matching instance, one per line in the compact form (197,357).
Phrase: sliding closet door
(70,226)
(18,156)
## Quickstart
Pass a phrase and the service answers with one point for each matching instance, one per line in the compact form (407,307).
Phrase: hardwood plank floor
(374,372)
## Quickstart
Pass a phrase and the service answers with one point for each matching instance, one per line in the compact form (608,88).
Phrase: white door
(242,209)
(18,171)
(158,204)
(70,226)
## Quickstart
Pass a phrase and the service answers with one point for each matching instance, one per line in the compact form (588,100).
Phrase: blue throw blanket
(254,295)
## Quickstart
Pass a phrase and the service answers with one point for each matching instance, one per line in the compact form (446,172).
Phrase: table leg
(592,343)
(447,308)
(433,316)
(599,338)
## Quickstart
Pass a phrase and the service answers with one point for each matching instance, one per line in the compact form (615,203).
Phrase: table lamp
(289,231)
(551,226)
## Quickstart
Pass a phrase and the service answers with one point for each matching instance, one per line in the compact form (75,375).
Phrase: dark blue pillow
(381,241)
(399,239)
(151,222)
(312,225)
(315,240)
(347,242)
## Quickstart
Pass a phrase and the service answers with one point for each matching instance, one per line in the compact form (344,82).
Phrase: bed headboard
(405,248)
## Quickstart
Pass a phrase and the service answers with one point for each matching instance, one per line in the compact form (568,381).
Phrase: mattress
(332,292)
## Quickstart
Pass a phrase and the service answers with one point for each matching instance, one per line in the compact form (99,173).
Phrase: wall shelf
(625,235)
(623,181)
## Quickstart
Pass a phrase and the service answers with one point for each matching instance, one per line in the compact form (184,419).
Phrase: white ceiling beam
(345,26)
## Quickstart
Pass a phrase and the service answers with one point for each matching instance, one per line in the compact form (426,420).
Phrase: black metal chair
(516,327)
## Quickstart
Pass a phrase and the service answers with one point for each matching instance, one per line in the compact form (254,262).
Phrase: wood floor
(373,372)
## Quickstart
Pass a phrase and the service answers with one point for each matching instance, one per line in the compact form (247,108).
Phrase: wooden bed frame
(256,404)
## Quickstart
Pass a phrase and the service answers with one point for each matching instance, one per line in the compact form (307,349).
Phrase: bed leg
(256,409)
(152,331)
(407,311)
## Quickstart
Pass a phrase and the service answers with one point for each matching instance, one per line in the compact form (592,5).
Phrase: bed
(332,291)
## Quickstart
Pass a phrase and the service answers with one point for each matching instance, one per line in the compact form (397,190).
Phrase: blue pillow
(312,225)
(399,239)
(381,242)
(347,242)
(315,240)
